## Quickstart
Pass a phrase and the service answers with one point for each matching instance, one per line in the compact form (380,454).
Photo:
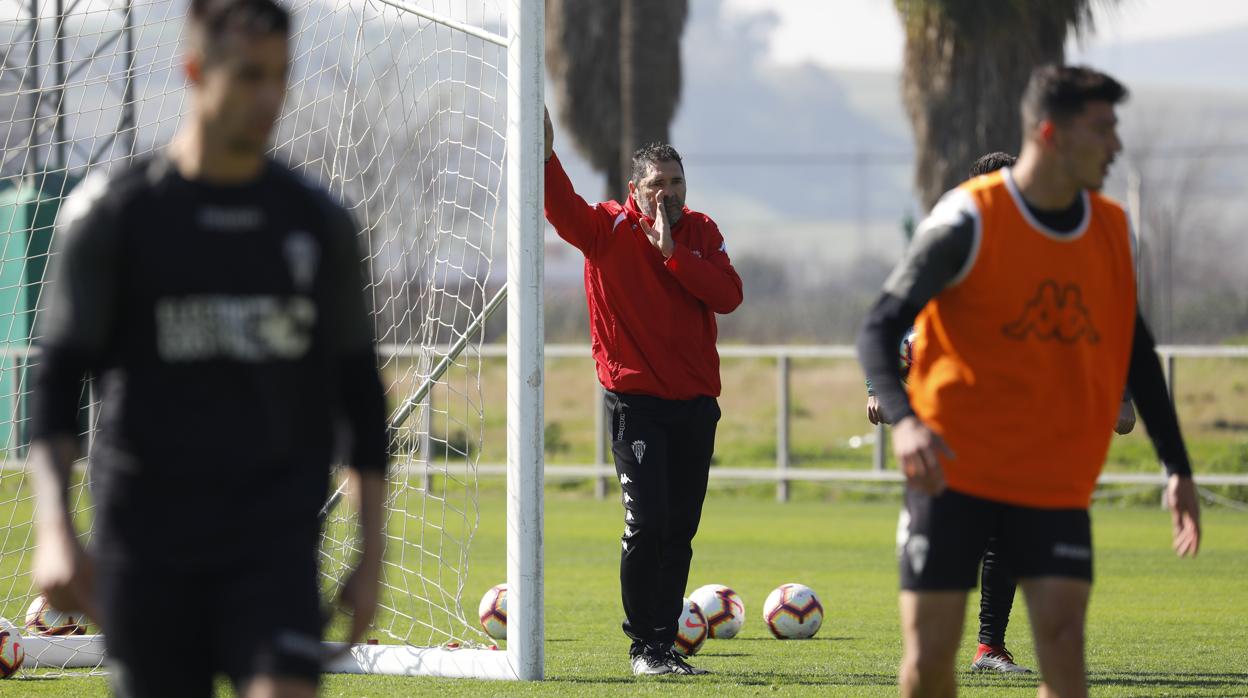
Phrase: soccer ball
(793,612)
(723,608)
(43,619)
(11,653)
(690,630)
(493,612)
(906,351)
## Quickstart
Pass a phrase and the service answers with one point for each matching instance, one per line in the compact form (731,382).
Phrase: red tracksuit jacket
(652,322)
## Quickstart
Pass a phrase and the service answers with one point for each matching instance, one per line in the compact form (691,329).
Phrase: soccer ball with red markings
(493,612)
(43,619)
(690,630)
(11,653)
(723,608)
(793,612)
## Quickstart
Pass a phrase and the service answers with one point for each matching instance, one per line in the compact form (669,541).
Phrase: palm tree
(966,64)
(615,68)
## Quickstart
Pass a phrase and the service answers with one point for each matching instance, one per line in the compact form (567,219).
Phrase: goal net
(423,118)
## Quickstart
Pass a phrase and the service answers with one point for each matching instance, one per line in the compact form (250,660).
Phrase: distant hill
(1209,61)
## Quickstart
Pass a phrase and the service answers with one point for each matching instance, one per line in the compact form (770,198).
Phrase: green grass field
(1158,625)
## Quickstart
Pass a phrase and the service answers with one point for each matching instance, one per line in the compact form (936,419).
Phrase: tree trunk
(593,48)
(962,85)
(632,97)
(650,75)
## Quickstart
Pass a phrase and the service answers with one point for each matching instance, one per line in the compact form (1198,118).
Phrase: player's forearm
(1152,399)
(573,218)
(370,489)
(719,287)
(54,429)
(881,334)
(51,462)
(364,403)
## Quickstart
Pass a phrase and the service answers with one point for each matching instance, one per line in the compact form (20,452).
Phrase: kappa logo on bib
(1055,314)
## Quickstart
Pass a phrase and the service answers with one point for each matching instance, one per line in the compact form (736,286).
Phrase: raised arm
(574,220)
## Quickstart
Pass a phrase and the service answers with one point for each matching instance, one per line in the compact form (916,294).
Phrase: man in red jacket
(656,273)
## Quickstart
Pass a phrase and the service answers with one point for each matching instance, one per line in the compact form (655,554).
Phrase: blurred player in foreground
(218,300)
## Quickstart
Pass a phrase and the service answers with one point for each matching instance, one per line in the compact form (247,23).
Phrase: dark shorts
(170,631)
(940,540)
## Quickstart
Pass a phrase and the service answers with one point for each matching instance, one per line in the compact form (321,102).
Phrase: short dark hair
(211,20)
(991,163)
(654,152)
(1059,92)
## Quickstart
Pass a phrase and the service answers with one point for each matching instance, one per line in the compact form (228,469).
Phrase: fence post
(879,455)
(600,441)
(782,426)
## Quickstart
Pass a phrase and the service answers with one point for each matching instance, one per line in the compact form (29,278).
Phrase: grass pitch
(1157,625)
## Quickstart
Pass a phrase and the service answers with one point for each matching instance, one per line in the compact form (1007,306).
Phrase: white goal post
(425,118)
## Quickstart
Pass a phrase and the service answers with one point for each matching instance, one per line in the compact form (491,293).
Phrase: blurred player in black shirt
(219,301)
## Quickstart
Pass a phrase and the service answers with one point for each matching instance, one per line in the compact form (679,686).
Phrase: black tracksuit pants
(662,452)
(996,597)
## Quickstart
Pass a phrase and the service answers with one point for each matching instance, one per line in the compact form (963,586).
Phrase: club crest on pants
(639,450)
(916,550)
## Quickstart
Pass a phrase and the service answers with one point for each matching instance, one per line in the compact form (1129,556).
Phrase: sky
(816,30)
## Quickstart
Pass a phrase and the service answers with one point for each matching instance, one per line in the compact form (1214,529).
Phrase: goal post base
(402,660)
(87,652)
(67,652)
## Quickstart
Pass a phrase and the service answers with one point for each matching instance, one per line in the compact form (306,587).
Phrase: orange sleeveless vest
(1021,362)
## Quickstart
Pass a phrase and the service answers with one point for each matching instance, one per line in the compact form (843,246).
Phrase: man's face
(666,176)
(1088,143)
(240,94)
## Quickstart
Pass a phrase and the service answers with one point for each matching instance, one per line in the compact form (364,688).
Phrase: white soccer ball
(793,612)
(43,619)
(690,630)
(493,612)
(11,652)
(723,608)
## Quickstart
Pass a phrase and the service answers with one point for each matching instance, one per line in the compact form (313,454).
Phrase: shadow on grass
(766,678)
(770,640)
(1126,679)
(1168,679)
(1140,679)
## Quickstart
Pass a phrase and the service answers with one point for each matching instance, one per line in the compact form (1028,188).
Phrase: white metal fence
(601,471)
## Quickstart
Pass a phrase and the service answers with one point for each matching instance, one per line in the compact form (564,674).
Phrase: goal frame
(524,658)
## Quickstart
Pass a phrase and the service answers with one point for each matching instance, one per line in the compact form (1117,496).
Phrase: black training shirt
(221,322)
